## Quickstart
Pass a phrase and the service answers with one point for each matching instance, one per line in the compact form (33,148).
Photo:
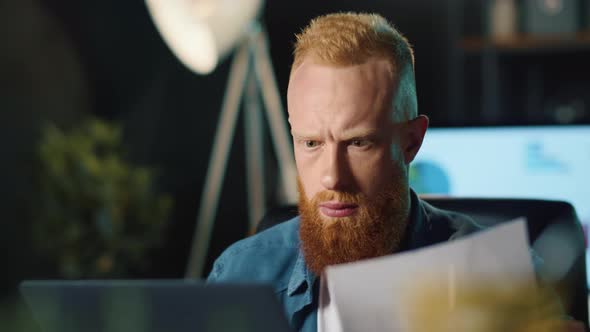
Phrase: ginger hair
(346,39)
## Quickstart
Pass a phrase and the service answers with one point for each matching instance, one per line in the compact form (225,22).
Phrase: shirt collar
(300,277)
(301,293)
(418,226)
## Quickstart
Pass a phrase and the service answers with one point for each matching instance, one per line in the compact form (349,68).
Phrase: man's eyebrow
(299,135)
(360,133)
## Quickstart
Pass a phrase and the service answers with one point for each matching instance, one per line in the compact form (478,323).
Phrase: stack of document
(372,295)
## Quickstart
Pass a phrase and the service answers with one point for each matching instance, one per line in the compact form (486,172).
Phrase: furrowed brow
(303,136)
(360,134)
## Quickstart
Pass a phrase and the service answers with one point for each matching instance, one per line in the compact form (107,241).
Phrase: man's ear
(413,137)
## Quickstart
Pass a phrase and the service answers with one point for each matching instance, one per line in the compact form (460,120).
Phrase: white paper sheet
(364,296)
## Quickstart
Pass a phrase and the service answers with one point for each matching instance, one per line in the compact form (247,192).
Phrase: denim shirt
(274,256)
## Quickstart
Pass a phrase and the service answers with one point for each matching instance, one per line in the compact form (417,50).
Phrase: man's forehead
(312,77)
(316,86)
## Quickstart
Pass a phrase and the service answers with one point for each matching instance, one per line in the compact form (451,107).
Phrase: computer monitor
(545,162)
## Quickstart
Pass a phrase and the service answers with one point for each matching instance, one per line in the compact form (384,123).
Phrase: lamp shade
(202,32)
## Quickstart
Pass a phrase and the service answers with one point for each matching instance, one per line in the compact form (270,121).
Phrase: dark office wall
(41,78)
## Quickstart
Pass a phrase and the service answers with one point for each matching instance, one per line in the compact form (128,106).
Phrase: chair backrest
(555,234)
(554,231)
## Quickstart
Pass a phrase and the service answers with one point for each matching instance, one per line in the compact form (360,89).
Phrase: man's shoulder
(268,256)
(283,235)
(446,224)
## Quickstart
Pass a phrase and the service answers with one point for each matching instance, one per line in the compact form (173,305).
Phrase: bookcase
(519,79)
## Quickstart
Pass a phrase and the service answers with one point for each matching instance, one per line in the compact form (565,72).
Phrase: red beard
(376,229)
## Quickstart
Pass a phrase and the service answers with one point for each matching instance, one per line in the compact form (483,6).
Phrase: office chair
(554,231)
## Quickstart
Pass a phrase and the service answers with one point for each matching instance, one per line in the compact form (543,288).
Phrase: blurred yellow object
(490,307)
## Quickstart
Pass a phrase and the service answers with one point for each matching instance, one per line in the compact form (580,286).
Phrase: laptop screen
(153,306)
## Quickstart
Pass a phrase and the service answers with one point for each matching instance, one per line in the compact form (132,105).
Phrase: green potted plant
(98,215)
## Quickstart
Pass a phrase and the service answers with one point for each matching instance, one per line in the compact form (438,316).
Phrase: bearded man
(353,115)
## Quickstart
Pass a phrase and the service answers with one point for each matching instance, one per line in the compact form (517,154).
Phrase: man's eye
(311,144)
(359,143)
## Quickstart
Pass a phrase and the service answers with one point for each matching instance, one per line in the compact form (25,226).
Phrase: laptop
(152,306)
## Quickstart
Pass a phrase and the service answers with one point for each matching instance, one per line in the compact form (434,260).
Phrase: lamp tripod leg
(254,148)
(218,162)
(275,115)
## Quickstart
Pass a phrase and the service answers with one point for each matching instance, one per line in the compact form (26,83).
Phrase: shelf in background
(528,44)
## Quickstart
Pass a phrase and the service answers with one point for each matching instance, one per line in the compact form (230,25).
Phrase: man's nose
(335,174)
